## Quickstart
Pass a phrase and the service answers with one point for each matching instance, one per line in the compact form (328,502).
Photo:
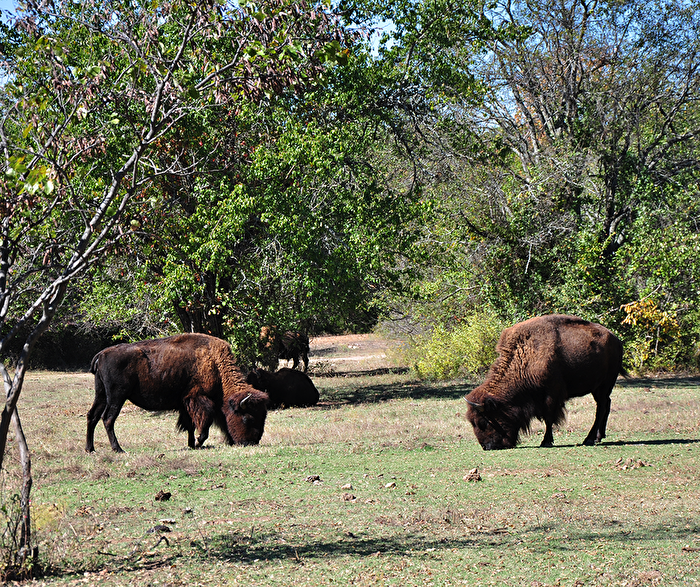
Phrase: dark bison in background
(290,345)
(542,363)
(285,387)
(194,374)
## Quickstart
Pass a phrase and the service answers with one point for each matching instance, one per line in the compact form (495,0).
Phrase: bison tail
(94,364)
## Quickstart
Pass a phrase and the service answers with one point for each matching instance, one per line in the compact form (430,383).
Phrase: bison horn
(245,399)
(477,406)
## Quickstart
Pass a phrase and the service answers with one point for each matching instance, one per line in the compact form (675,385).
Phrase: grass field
(369,488)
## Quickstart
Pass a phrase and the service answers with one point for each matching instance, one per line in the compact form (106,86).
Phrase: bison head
(493,425)
(245,416)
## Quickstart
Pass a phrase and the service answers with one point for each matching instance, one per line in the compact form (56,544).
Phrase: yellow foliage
(653,328)
(647,315)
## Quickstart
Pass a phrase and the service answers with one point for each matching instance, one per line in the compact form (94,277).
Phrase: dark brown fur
(291,345)
(542,363)
(193,374)
(285,387)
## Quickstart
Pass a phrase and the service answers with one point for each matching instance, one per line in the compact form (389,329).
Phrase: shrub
(17,563)
(659,340)
(465,350)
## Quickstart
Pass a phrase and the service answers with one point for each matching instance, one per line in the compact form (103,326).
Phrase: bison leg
(184,422)
(305,358)
(202,411)
(108,418)
(93,416)
(548,439)
(602,412)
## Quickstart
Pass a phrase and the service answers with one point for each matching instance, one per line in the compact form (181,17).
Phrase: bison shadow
(655,442)
(663,382)
(350,394)
(239,547)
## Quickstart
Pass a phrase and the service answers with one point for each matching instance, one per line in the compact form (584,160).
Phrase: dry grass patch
(369,488)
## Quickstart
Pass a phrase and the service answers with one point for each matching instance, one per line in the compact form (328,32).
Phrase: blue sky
(7,5)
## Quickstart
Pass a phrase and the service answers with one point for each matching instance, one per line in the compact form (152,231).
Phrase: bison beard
(542,363)
(193,374)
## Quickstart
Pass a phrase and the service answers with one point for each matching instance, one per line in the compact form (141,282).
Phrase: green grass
(392,506)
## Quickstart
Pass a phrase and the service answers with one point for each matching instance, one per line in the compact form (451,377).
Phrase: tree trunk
(25,543)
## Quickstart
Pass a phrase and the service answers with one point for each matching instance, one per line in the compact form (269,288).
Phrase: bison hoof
(547,444)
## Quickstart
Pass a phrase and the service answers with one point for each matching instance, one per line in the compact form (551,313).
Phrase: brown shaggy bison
(285,387)
(542,363)
(194,374)
(291,345)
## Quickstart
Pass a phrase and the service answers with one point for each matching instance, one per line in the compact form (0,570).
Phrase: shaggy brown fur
(285,387)
(542,363)
(291,345)
(193,374)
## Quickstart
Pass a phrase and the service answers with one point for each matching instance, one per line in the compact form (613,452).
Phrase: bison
(285,387)
(194,374)
(291,345)
(542,363)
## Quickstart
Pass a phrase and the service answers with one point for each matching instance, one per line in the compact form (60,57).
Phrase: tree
(555,137)
(596,104)
(297,220)
(92,89)
(588,117)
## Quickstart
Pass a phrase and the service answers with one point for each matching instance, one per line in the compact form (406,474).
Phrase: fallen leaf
(163,495)
(473,475)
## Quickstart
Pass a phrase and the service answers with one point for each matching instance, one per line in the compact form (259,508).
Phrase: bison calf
(193,374)
(285,387)
(542,363)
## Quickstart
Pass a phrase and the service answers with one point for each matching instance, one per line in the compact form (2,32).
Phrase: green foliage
(466,349)
(290,222)
(120,303)
(555,196)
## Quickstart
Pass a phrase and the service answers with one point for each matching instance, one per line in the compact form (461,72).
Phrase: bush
(659,340)
(466,350)
(17,563)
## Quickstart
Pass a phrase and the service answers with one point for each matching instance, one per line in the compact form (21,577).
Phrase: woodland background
(442,168)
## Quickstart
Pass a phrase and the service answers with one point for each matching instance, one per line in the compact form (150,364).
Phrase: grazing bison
(285,387)
(291,345)
(193,374)
(542,363)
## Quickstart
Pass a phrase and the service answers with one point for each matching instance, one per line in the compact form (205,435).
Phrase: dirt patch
(351,353)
